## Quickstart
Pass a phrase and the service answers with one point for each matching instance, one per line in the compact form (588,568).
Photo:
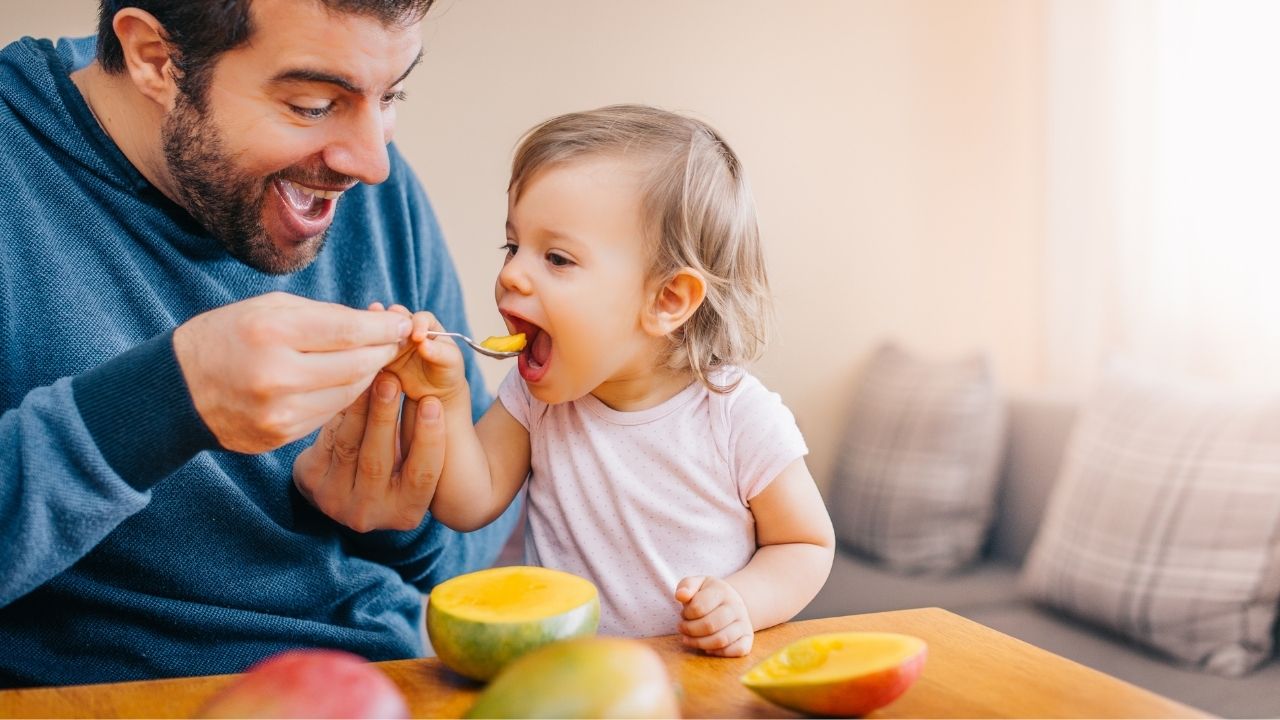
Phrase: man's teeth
(312,192)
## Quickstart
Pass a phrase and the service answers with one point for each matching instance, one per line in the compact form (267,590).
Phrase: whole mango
(309,684)
(589,677)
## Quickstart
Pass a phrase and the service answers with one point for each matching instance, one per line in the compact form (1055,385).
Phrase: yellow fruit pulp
(512,594)
(504,343)
(820,659)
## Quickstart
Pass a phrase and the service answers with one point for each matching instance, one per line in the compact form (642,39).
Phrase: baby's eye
(509,248)
(558,260)
(391,97)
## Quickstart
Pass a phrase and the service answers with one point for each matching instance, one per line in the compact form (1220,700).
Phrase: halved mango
(504,343)
(483,620)
(839,674)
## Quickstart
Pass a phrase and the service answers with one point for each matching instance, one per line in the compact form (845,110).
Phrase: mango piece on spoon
(504,343)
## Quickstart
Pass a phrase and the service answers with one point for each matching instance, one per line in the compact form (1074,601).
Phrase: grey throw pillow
(915,478)
(1164,525)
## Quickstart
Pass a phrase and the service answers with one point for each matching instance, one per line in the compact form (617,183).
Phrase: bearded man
(201,205)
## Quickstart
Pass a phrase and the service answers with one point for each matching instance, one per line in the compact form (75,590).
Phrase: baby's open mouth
(537,350)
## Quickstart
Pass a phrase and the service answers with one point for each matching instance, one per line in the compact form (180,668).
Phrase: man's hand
(715,618)
(354,474)
(266,371)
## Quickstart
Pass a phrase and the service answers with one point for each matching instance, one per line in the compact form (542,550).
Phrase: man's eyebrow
(311,75)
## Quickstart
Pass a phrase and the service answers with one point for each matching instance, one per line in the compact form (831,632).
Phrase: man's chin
(276,257)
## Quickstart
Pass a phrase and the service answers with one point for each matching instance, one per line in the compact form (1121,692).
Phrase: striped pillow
(915,479)
(1164,525)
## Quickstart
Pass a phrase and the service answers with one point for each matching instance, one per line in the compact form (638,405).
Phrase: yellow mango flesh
(504,343)
(512,594)
(481,621)
(840,674)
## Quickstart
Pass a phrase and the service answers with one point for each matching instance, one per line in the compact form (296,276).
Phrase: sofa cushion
(1254,695)
(856,586)
(1165,523)
(914,481)
(1039,426)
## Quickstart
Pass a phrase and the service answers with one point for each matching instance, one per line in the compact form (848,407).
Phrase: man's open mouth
(308,202)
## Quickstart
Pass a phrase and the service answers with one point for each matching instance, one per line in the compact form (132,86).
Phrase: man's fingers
(378,448)
(347,367)
(322,327)
(425,460)
(348,437)
(408,410)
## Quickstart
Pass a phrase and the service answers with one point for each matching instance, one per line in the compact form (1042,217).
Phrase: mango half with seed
(843,674)
(504,343)
(483,620)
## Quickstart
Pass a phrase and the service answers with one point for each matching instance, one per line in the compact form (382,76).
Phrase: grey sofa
(988,592)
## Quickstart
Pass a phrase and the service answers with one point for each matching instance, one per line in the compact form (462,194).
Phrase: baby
(657,467)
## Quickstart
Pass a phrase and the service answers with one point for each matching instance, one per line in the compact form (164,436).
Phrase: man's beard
(227,202)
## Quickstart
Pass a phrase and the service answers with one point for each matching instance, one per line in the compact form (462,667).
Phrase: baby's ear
(674,301)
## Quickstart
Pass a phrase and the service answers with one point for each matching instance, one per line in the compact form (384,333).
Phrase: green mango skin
(591,677)
(479,650)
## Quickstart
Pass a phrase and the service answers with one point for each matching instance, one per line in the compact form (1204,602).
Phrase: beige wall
(895,147)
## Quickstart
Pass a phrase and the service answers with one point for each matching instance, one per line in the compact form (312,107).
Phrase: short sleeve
(514,395)
(763,437)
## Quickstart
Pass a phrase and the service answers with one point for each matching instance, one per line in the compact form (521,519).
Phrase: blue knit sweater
(130,545)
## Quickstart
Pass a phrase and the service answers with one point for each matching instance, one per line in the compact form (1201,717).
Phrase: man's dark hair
(201,30)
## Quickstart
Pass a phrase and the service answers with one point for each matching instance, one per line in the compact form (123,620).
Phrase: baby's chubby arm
(795,547)
(485,463)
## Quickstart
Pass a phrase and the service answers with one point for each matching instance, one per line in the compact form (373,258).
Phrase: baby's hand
(715,617)
(427,365)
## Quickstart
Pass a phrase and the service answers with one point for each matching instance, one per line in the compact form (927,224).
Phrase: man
(190,222)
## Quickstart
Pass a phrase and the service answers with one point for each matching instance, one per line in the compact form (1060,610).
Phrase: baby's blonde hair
(698,209)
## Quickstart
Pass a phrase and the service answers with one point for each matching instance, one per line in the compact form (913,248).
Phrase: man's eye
(393,97)
(558,260)
(312,113)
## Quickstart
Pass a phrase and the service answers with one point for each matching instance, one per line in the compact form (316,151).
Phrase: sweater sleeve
(80,456)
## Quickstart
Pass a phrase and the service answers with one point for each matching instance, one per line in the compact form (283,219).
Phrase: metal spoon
(477,346)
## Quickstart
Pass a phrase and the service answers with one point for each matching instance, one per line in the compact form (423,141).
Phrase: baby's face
(574,279)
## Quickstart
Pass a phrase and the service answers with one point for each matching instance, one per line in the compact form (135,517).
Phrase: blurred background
(1051,183)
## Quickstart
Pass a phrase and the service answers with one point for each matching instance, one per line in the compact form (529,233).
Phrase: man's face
(292,118)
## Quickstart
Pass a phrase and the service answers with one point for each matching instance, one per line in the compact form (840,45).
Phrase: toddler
(656,466)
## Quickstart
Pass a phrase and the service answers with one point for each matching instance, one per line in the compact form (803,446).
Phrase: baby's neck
(641,392)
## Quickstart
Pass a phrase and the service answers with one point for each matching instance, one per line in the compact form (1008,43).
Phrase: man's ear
(674,302)
(146,55)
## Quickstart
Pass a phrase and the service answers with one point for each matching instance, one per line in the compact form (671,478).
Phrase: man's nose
(359,146)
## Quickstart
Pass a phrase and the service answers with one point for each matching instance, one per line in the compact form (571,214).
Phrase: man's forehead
(309,37)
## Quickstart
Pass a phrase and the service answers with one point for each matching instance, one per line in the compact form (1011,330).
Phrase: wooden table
(972,672)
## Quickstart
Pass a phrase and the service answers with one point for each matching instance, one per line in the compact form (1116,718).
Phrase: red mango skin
(309,684)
